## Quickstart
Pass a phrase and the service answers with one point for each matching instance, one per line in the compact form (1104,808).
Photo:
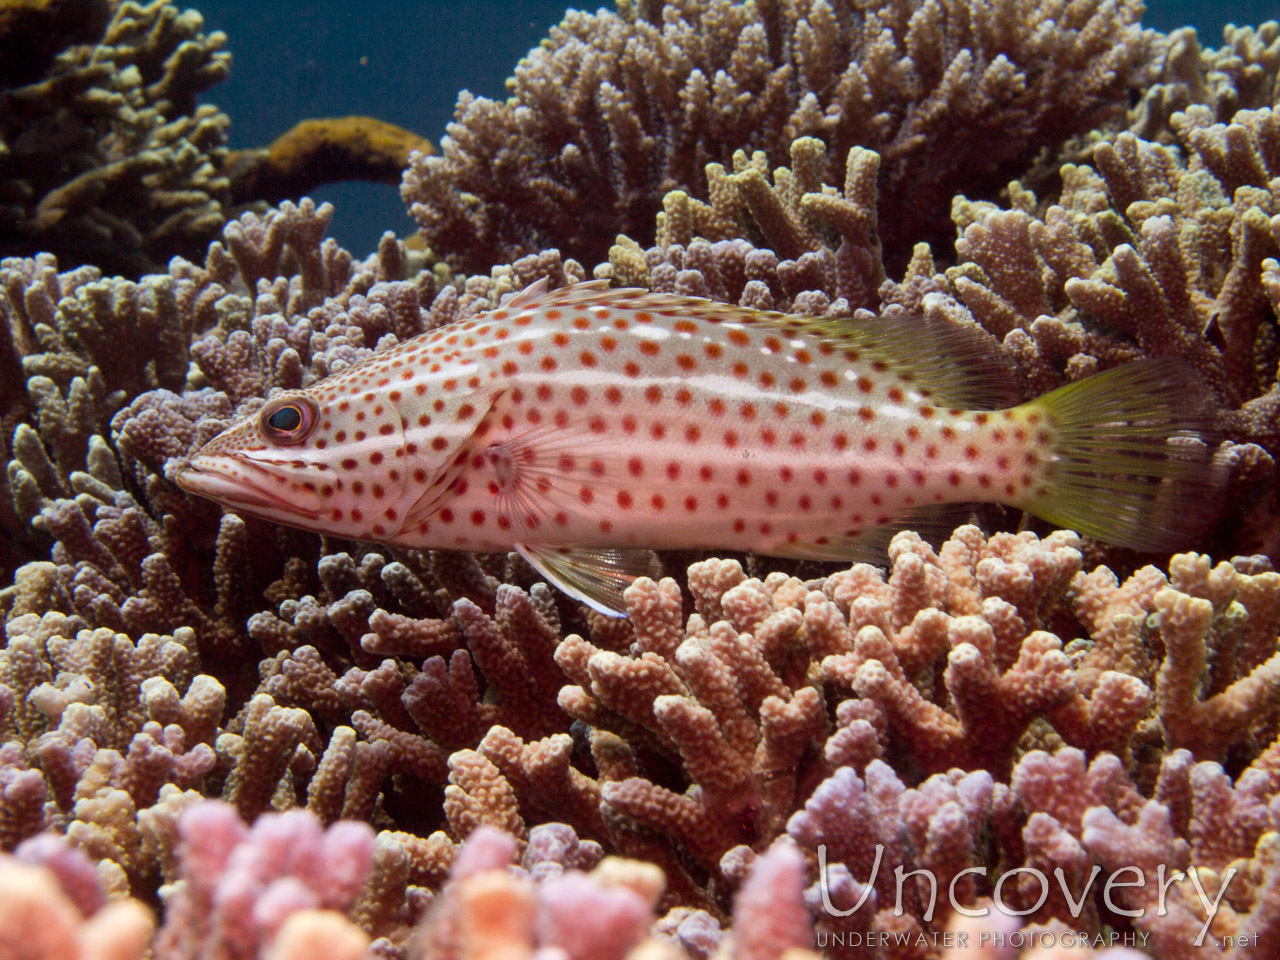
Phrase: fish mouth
(241,484)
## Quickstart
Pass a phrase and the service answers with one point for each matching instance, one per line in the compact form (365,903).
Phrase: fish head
(321,459)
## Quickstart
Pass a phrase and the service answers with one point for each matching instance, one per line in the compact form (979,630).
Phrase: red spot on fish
(560,339)
(953,478)
(692,433)
(578,395)
(686,362)
(624,499)
(656,501)
(673,471)
(767,379)
(691,504)
(683,397)
(797,385)
(349,463)
(439,443)
(587,358)
(771,497)
(926,412)
(631,369)
(585,494)
(740,370)
(650,348)
(608,343)
(548,364)
(869,444)
(713,350)
(635,466)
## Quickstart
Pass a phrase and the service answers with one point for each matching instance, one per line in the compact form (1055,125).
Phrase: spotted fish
(586,426)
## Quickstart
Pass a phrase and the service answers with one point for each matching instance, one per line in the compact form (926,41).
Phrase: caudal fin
(1132,456)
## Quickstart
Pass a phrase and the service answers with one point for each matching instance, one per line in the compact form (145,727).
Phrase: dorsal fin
(960,363)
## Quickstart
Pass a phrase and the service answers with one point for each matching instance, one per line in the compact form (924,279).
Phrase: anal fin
(933,522)
(595,575)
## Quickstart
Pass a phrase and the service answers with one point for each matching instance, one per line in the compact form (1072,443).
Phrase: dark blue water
(405,61)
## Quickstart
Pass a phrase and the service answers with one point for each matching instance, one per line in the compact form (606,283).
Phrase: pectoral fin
(595,575)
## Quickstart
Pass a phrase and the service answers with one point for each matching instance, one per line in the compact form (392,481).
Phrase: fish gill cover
(222,737)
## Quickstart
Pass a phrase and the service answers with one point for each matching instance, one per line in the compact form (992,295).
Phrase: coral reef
(616,109)
(107,158)
(223,738)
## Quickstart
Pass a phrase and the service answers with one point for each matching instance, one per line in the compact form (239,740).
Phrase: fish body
(579,424)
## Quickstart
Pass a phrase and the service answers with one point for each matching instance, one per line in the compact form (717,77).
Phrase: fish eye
(288,421)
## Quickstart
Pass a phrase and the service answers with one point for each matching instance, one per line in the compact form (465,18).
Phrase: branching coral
(108,160)
(622,107)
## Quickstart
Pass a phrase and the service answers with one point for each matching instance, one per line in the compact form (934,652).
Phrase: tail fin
(1131,459)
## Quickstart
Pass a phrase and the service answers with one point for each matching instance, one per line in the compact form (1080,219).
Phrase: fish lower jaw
(247,486)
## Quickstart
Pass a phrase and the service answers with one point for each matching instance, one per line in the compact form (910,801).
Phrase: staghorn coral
(623,107)
(108,160)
